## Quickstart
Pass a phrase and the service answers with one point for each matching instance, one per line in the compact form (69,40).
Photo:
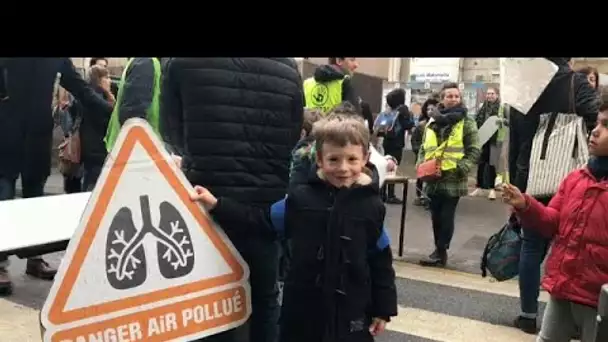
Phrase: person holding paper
(491,150)
(565,86)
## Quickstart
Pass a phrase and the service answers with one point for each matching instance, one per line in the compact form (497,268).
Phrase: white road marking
(461,280)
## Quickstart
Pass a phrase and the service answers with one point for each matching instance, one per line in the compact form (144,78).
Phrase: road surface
(434,305)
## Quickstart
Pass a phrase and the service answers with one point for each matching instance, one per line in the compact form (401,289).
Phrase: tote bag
(559,147)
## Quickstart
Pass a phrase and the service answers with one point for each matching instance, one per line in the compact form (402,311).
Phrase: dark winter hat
(395,98)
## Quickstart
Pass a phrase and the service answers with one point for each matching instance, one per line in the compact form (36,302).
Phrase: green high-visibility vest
(152,113)
(450,151)
(322,96)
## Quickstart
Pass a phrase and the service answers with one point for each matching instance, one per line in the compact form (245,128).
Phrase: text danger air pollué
(164,323)
(171,276)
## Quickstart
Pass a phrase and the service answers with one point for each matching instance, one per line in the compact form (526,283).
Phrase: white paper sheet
(522,80)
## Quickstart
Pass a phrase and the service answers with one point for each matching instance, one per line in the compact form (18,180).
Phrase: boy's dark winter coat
(339,279)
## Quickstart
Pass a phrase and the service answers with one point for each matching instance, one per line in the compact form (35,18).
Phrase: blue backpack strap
(277,216)
(383,241)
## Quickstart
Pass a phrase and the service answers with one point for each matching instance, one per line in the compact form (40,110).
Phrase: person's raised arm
(76,85)
(138,89)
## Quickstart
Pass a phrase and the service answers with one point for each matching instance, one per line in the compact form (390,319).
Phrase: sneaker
(527,325)
(477,193)
(436,259)
(393,200)
(418,202)
(492,195)
(6,285)
(40,269)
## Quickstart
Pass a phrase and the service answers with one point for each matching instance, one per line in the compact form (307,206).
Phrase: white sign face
(435,69)
(432,77)
(146,263)
(522,80)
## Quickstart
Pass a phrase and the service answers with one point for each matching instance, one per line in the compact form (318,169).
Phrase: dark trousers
(30,186)
(86,182)
(262,256)
(521,135)
(397,153)
(486,173)
(443,215)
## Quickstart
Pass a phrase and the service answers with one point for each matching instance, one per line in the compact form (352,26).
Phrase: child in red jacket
(576,219)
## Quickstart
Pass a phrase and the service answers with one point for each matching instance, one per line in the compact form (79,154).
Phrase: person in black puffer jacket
(235,122)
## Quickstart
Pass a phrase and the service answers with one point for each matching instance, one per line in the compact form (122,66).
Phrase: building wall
(600,63)
(377,67)
(115,64)
(485,70)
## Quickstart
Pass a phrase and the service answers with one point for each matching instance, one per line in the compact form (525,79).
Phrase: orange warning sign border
(183,326)
(136,134)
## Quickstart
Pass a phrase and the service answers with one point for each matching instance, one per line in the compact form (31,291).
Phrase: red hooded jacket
(577,220)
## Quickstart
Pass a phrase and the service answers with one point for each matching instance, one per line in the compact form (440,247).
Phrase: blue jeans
(533,251)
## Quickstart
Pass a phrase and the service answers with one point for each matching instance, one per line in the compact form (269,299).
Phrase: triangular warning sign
(144,250)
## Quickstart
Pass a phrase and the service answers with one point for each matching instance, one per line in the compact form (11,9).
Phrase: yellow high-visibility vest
(322,96)
(450,151)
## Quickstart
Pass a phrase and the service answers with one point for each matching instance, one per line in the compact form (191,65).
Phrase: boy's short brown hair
(340,130)
(310,117)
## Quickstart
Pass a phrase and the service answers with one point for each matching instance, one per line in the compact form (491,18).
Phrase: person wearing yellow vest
(138,96)
(492,149)
(331,85)
(451,136)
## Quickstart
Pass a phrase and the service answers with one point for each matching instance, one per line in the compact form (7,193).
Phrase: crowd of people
(293,171)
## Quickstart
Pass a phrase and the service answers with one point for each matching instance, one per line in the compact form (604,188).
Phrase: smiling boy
(341,276)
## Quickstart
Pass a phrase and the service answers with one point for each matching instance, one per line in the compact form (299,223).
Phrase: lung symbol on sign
(125,254)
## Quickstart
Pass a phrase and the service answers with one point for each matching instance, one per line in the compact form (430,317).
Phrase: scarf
(598,166)
(446,118)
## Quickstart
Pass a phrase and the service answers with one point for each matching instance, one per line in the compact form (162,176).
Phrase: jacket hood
(328,73)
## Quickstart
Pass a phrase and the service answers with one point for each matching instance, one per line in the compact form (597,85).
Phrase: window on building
(478,78)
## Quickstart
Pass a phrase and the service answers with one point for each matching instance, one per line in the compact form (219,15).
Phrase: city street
(450,305)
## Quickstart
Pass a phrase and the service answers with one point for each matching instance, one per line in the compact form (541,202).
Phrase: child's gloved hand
(377,327)
(204,196)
